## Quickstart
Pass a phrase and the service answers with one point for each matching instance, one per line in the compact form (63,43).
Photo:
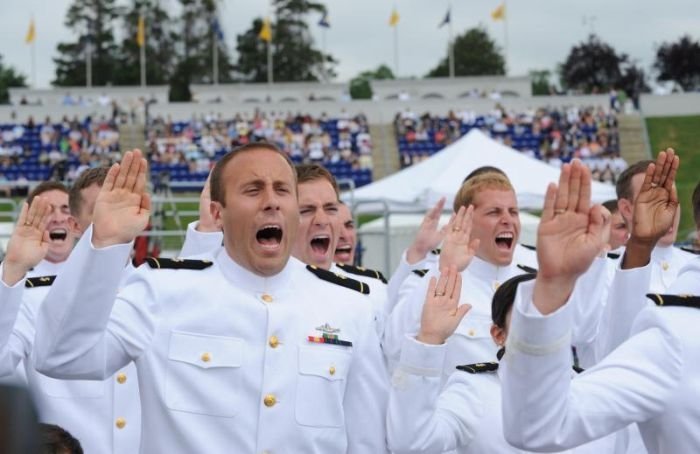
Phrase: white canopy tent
(418,187)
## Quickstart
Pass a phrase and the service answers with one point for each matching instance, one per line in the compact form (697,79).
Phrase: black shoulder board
(436,251)
(578,369)
(479,368)
(362,271)
(39,281)
(421,273)
(343,281)
(612,255)
(529,246)
(527,269)
(177,264)
(675,300)
(691,250)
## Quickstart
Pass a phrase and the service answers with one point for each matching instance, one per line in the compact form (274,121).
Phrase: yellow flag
(394,19)
(31,33)
(499,13)
(141,32)
(266,31)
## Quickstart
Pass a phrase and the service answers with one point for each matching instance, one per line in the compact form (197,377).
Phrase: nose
(271,201)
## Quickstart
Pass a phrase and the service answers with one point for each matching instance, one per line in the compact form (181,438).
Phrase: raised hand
(569,237)
(123,206)
(206,220)
(441,311)
(656,205)
(29,242)
(429,236)
(458,248)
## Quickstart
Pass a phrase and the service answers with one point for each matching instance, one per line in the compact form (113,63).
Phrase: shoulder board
(177,264)
(335,278)
(527,269)
(691,250)
(529,246)
(675,300)
(39,281)
(578,369)
(479,368)
(436,251)
(612,255)
(420,273)
(362,271)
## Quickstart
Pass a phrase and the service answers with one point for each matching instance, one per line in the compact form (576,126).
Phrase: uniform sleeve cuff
(536,334)
(19,283)
(418,358)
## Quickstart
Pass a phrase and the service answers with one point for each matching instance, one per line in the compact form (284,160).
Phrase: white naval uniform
(104,415)
(465,415)
(666,264)
(651,379)
(197,242)
(223,355)
(377,295)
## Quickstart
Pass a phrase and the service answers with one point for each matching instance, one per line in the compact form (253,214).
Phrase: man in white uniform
(239,351)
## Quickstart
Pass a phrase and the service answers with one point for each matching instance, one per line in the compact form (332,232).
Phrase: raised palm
(29,242)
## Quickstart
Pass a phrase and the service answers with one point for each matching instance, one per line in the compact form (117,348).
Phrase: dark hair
(46,186)
(696,205)
(611,205)
(481,170)
(217,191)
(504,297)
(623,187)
(313,172)
(56,440)
(86,179)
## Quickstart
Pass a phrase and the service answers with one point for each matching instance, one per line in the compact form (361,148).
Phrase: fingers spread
(562,198)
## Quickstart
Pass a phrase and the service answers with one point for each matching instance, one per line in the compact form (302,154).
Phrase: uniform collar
(248,281)
(488,271)
(46,268)
(662,253)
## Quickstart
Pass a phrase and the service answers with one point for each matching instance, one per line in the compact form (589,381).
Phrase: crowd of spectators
(187,149)
(35,151)
(553,135)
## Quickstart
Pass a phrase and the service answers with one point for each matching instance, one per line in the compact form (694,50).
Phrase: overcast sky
(540,32)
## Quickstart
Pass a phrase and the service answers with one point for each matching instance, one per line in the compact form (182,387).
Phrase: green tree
(591,66)
(295,57)
(541,86)
(160,45)
(194,49)
(361,86)
(475,54)
(9,77)
(91,21)
(680,62)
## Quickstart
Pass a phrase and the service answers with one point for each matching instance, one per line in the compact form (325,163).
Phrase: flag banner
(446,20)
(324,21)
(394,19)
(266,31)
(141,32)
(216,28)
(31,33)
(499,13)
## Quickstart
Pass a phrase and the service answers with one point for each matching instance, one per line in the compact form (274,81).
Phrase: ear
(215,209)
(626,209)
(74,227)
(499,335)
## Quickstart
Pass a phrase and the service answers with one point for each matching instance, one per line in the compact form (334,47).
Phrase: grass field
(683,135)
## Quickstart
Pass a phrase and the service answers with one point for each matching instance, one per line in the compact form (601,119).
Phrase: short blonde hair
(490,180)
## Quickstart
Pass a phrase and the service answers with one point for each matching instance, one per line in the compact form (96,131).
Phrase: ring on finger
(654,185)
(559,211)
(439,293)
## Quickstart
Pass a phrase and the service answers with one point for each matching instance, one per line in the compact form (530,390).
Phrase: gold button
(664,265)
(274,342)
(331,370)
(121,378)
(120,423)
(496,284)
(267,298)
(471,332)
(206,357)
(269,400)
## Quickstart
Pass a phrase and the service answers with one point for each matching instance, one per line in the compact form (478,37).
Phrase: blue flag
(446,20)
(216,28)
(324,21)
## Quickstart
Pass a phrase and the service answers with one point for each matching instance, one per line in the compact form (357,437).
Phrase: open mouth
(58,235)
(505,240)
(320,244)
(344,249)
(270,236)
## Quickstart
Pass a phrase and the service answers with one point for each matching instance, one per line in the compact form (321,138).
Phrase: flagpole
(215,58)
(396,51)
(270,63)
(450,44)
(323,40)
(33,67)
(505,32)
(142,50)
(88,64)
